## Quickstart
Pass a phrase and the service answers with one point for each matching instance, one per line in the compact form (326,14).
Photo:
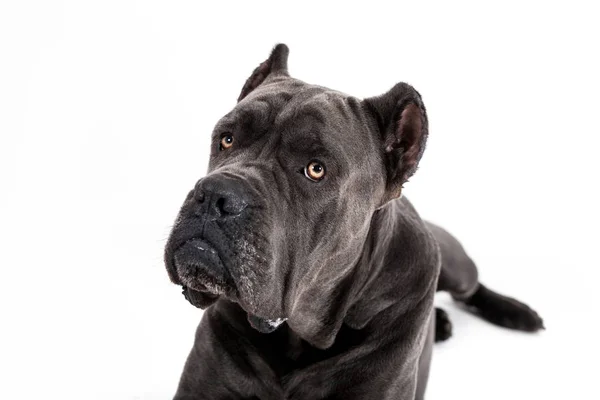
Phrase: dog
(316,275)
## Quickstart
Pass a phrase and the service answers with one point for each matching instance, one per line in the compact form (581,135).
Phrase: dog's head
(296,173)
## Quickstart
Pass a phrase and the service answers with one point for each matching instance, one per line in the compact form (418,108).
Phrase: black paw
(505,311)
(515,315)
(443,326)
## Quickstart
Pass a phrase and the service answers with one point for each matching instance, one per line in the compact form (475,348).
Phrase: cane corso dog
(316,275)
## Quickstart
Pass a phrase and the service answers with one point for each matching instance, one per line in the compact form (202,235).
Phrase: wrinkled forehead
(303,115)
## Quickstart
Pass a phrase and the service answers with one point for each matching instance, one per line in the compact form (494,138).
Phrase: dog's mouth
(204,278)
(200,268)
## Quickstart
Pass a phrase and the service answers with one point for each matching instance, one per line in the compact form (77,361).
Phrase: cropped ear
(402,123)
(276,64)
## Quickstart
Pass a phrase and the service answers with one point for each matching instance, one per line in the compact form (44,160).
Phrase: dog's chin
(199,299)
(264,325)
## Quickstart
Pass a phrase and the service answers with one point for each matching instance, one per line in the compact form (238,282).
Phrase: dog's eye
(226,142)
(315,171)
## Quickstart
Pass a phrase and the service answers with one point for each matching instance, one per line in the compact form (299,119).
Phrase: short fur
(346,261)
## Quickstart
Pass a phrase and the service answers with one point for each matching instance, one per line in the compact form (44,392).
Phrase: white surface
(106,112)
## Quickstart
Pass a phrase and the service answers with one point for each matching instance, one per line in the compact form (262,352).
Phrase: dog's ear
(276,64)
(402,127)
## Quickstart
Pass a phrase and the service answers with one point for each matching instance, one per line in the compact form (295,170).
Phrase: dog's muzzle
(192,255)
(197,250)
(199,267)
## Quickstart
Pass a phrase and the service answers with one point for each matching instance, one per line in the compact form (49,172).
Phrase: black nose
(221,195)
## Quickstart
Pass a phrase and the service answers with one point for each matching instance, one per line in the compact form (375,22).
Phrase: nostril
(220,204)
(199,195)
(198,191)
(229,206)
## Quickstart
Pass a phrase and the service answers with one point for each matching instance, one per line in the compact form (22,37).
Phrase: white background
(106,110)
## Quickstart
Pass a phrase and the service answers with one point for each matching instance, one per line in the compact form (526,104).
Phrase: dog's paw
(504,311)
(513,314)
(443,326)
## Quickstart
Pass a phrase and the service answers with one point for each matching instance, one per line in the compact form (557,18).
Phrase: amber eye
(226,142)
(315,171)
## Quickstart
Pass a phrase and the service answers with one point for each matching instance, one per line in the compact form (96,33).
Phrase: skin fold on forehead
(294,116)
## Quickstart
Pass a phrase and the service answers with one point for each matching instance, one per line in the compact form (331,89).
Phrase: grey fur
(346,260)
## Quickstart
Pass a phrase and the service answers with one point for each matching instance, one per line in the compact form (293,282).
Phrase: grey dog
(317,276)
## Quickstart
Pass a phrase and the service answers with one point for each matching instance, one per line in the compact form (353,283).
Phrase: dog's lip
(199,242)
(207,253)
(198,298)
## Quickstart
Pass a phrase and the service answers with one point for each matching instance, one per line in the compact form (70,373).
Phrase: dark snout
(220,196)
(200,246)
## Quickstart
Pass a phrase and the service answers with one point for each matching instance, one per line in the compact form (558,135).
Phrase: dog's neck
(370,265)
(384,275)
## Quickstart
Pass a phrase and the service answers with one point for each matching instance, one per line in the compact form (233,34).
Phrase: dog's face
(280,221)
